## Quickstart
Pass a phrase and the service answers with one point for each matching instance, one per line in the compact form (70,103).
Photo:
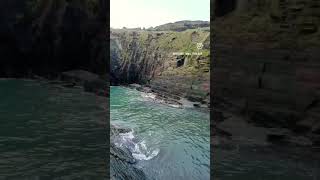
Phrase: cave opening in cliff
(223,7)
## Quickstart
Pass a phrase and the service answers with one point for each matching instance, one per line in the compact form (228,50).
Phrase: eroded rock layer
(175,63)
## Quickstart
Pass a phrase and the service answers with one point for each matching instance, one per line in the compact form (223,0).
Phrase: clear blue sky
(147,13)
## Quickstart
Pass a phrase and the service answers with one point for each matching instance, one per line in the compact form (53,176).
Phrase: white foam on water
(174,105)
(141,156)
(142,152)
(139,149)
(148,95)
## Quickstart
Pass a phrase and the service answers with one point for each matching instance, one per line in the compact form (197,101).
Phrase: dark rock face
(121,160)
(129,63)
(48,37)
(223,7)
(275,84)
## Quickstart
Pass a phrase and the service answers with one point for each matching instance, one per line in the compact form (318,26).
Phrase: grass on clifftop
(169,42)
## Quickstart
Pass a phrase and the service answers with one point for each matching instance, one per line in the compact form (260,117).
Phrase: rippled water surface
(170,143)
(50,132)
(265,163)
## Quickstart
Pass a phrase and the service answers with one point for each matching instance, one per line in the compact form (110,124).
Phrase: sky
(151,13)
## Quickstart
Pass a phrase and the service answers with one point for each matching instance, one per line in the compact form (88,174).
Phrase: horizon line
(141,27)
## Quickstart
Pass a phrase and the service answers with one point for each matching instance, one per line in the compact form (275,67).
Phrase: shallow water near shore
(168,142)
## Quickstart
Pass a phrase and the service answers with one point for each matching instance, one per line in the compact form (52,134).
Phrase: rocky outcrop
(121,160)
(49,37)
(91,82)
(168,62)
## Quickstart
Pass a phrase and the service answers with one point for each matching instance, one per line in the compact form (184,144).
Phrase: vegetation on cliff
(181,26)
(168,47)
(174,62)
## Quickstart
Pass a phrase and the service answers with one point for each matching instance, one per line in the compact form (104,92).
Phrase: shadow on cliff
(49,37)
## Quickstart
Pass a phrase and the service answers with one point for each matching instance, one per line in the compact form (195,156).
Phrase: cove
(168,142)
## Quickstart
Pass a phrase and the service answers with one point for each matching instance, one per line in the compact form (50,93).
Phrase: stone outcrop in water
(91,82)
(266,66)
(122,163)
(159,60)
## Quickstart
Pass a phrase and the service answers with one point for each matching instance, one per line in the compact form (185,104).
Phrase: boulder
(91,82)
(79,76)
(194,98)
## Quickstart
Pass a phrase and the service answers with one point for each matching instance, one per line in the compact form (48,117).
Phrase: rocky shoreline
(122,163)
(88,81)
(94,83)
(169,99)
(231,130)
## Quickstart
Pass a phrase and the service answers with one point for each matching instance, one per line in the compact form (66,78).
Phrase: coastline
(169,99)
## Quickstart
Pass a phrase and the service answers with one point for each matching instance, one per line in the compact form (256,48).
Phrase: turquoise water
(170,143)
(50,132)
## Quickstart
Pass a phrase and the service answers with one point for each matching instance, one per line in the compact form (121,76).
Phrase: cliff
(48,37)
(266,64)
(167,61)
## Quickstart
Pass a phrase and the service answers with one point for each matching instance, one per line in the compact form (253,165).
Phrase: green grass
(168,42)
